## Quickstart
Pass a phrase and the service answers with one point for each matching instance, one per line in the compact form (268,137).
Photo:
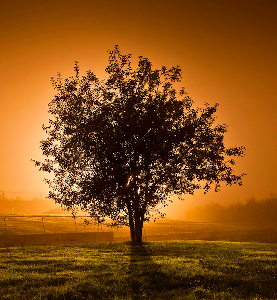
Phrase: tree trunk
(136,219)
(136,233)
(132,226)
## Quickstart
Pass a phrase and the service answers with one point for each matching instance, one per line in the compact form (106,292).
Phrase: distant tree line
(252,210)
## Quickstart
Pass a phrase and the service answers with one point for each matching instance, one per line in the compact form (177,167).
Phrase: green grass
(157,270)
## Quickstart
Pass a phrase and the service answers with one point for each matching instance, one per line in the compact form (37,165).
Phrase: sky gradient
(226,49)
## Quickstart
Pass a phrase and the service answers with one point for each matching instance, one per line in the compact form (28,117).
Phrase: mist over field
(251,220)
(37,205)
(250,210)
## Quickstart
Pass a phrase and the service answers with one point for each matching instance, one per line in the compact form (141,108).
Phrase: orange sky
(227,50)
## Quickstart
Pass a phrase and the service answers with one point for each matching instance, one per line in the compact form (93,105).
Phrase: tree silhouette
(119,147)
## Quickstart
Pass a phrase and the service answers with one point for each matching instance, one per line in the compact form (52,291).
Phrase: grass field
(156,270)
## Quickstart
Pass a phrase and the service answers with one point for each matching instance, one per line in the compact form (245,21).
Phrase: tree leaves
(135,124)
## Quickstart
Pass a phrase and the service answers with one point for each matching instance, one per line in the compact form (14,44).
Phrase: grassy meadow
(156,270)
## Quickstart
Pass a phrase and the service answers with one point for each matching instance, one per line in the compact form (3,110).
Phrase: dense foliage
(119,147)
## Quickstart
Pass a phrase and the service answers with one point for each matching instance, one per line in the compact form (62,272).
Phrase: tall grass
(157,270)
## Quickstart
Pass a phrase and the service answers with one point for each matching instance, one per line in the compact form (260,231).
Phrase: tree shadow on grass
(146,279)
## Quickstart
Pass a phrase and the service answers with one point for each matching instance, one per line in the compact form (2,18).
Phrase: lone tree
(118,148)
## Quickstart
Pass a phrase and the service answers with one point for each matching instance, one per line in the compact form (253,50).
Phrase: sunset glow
(226,49)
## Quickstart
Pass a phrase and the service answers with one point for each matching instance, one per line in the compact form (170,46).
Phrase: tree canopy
(119,147)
